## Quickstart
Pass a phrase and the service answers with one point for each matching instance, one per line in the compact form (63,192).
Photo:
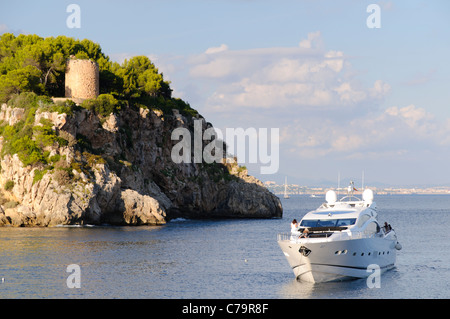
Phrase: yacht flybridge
(339,240)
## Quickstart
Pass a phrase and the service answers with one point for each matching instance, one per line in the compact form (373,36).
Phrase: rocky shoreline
(117,170)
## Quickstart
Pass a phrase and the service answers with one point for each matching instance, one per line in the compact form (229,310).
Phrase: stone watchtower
(82,79)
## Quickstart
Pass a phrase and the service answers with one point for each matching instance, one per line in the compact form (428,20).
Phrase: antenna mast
(362,187)
(339,181)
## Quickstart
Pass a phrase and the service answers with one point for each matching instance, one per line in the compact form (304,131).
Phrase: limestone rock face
(118,170)
(141,209)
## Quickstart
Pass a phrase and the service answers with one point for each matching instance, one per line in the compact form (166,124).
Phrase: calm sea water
(218,259)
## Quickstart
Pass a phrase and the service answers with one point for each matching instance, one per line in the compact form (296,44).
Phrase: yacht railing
(329,237)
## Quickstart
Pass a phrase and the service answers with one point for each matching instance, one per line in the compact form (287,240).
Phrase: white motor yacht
(340,240)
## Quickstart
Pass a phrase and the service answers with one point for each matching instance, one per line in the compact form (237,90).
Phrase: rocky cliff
(117,169)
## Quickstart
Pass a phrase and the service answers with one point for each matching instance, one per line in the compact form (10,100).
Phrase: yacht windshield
(327,222)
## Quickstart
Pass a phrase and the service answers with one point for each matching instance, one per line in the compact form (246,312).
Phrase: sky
(347,99)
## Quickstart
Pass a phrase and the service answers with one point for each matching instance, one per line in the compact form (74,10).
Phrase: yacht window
(327,222)
(309,223)
(345,222)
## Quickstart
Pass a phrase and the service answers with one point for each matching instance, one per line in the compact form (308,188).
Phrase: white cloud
(216,68)
(380,89)
(335,60)
(314,40)
(213,50)
(348,95)
(290,78)
(313,95)
(346,143)
(406,131)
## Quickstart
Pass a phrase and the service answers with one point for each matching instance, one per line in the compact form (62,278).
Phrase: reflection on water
(34,260)
(357,288)
(296,289)
(303,290)
(217,259)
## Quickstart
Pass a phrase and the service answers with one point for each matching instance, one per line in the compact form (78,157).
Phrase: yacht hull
(319,261)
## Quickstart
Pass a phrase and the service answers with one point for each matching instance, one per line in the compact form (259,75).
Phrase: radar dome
(331,197)
(368,195)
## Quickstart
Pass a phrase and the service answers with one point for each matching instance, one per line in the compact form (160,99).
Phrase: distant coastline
(294,189)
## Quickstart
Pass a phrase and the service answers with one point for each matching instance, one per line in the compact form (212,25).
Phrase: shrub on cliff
(141,77)
(29,63)
(9,185)
(33,63)
(26,139)
(104,104)
(36,64)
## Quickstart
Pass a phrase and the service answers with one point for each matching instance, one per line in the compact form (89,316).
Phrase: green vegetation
(9,185)
(29,63)
(140,77)
(32,70)
(24,138)
(38,174)
(104,104)
(219,172)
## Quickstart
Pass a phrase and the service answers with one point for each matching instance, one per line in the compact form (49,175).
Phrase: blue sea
(218,259)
